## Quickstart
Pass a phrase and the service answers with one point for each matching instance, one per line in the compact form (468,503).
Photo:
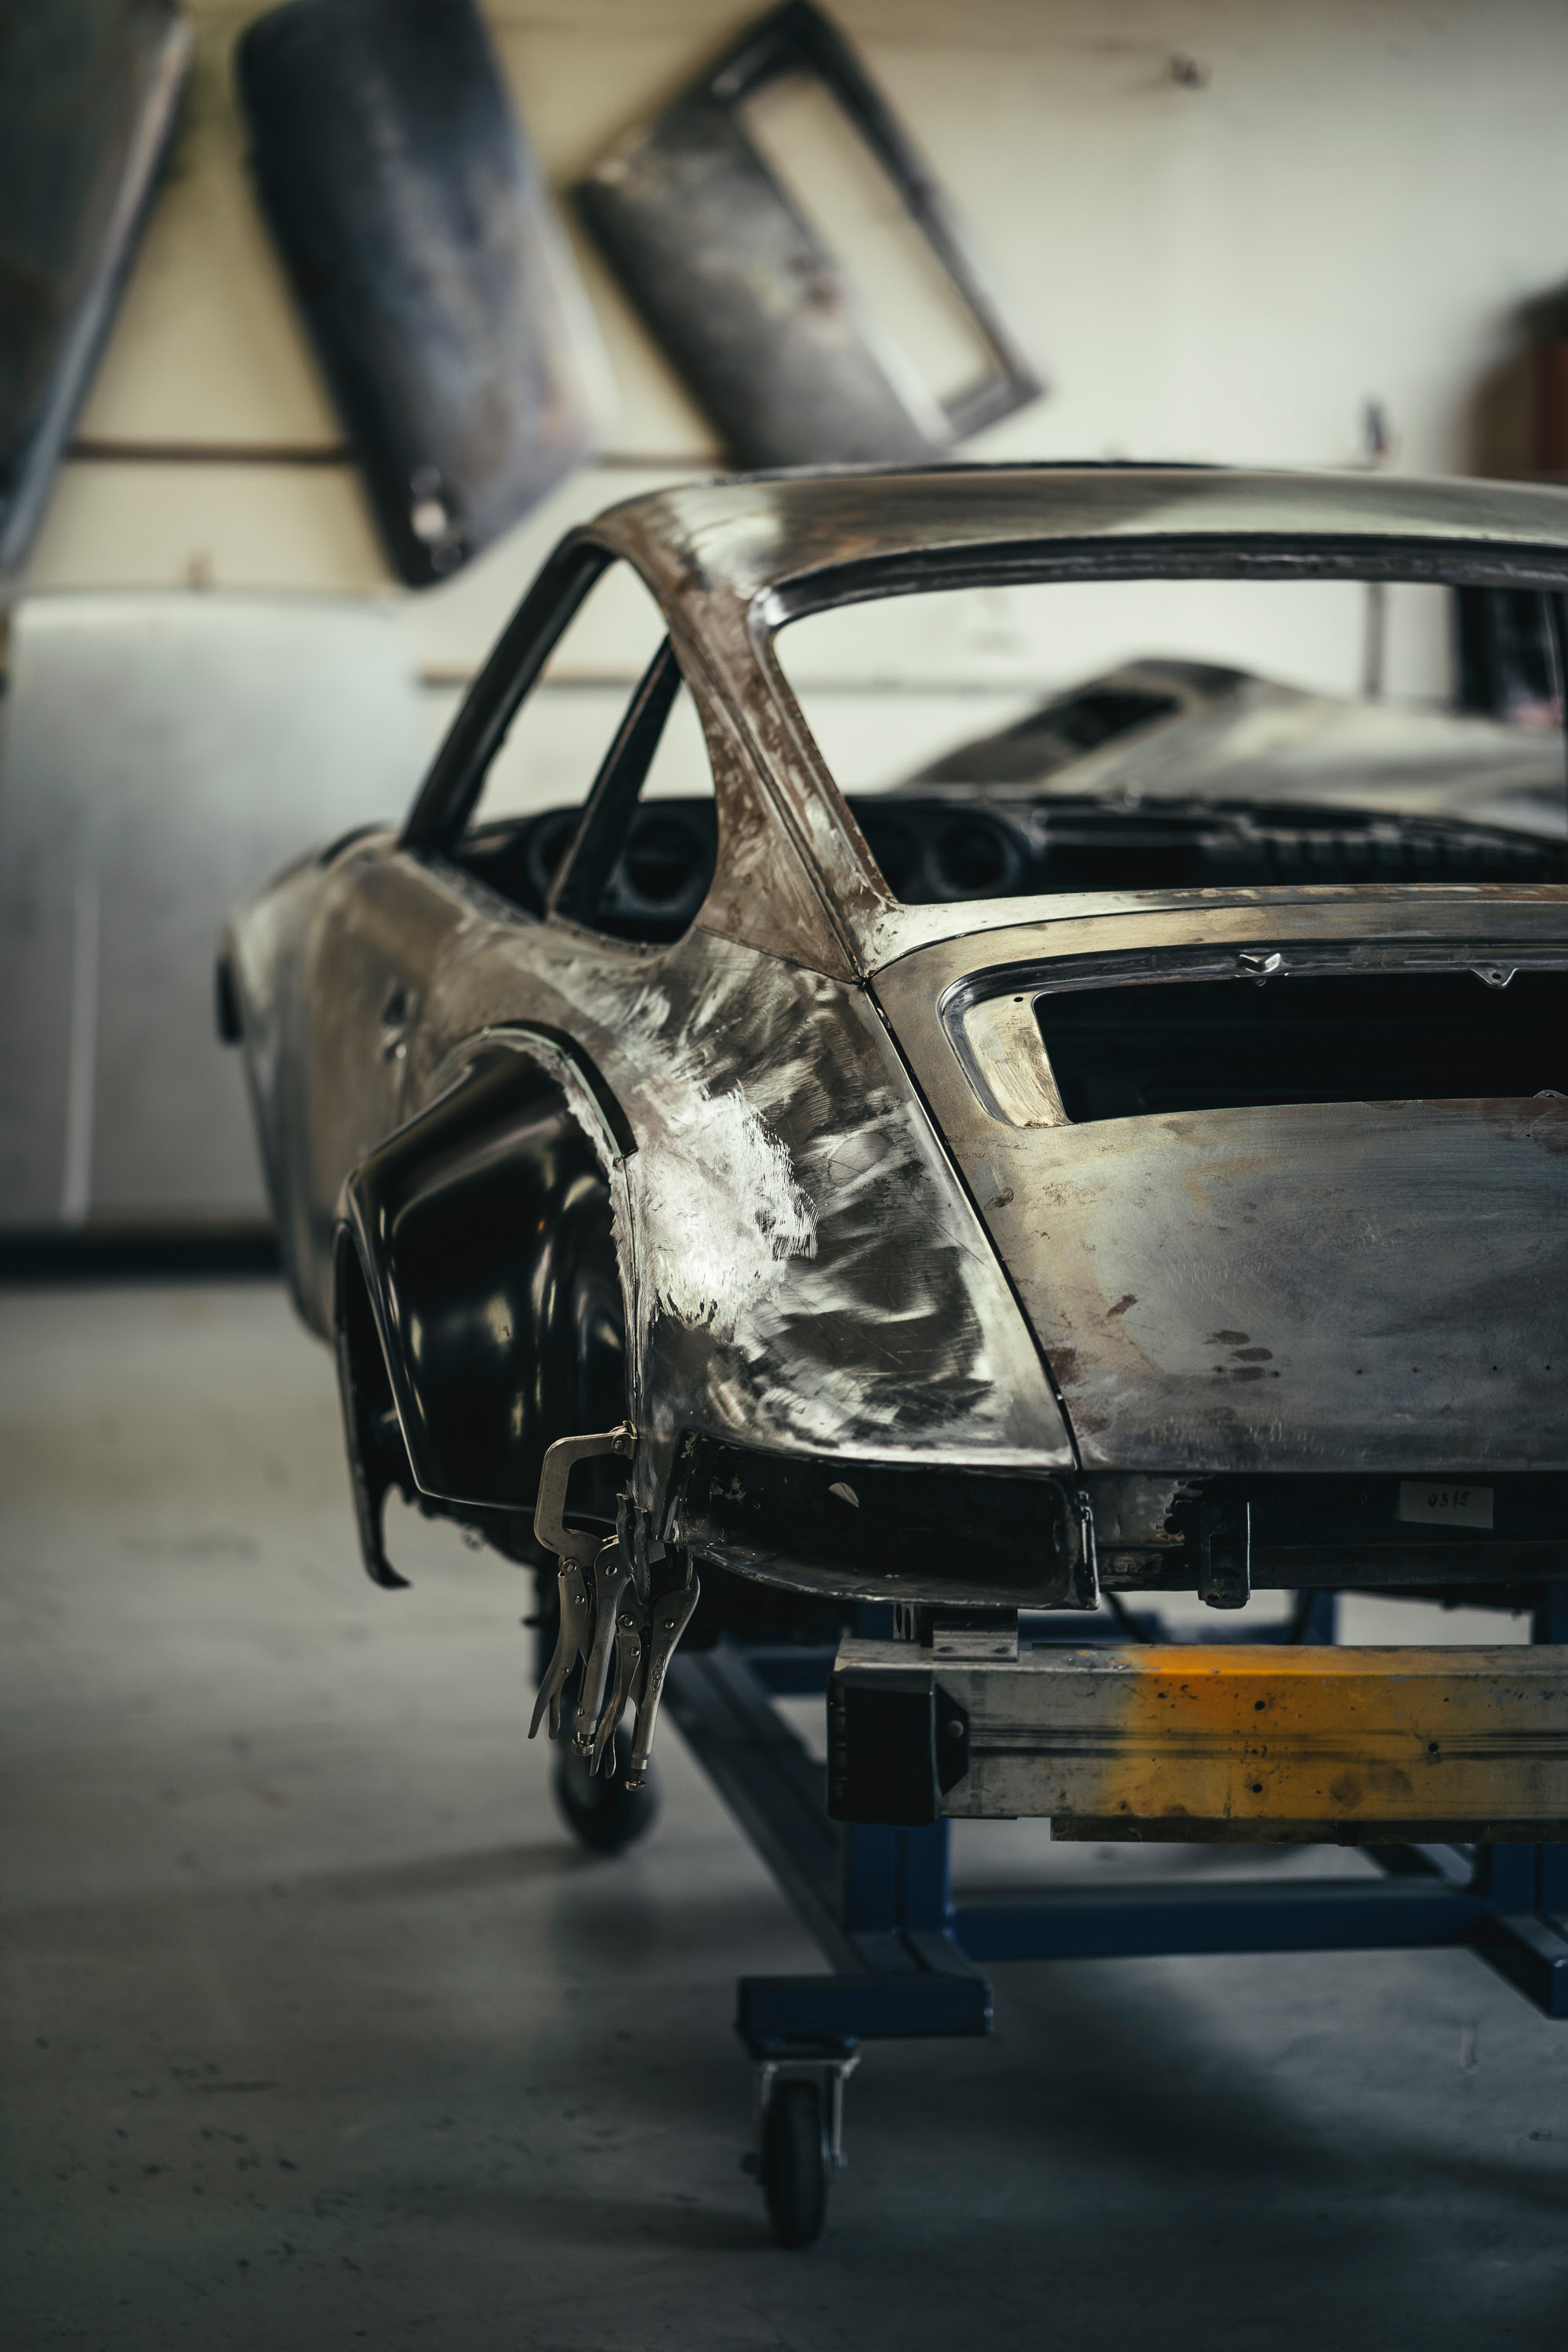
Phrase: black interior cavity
(653,888)
(935,849)
(1224,1045)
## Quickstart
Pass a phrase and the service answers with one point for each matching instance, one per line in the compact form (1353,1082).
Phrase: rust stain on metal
(1253,1736)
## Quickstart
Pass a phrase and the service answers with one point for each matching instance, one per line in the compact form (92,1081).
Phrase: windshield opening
(1032,738)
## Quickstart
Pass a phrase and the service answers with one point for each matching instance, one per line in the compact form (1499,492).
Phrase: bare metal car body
(803,1195)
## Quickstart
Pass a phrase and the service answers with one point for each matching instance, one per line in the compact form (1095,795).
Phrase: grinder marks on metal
(795,1257)
(719,1209)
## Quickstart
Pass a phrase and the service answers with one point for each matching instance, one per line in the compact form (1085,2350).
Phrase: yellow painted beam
(1256,1741)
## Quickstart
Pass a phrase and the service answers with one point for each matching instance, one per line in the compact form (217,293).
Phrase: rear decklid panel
(1287,1285)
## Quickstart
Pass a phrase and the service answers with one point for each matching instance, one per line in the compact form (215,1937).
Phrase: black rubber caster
(603,1811)
(795,2163)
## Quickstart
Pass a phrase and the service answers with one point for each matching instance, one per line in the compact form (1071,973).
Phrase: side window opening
(642,860)
(598,807)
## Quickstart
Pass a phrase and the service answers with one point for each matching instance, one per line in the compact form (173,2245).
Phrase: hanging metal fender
(480,1309)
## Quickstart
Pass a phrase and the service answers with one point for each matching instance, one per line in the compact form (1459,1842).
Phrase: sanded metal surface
(1303,1286)
(1238,1288)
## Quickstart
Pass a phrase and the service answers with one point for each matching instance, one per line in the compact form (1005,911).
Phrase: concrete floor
(320,2030)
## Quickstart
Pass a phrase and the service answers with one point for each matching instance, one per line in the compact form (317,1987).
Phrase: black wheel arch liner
(478,1307)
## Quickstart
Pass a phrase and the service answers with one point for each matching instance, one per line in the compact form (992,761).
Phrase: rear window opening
(1229,1045)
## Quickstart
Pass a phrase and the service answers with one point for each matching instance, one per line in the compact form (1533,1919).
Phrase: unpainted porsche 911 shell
(797,1196)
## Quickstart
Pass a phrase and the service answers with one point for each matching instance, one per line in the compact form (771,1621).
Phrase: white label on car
(1433,1503)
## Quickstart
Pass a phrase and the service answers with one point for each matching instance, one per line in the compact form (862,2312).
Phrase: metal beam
(770,1782)
(1229,1742)
(1301,1916)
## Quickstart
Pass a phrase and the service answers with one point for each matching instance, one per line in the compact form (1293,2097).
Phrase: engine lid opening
(1131,1051)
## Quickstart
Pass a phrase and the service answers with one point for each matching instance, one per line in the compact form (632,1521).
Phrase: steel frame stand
(905,1960)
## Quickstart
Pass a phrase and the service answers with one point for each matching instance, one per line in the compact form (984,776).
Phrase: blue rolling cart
(906,1960)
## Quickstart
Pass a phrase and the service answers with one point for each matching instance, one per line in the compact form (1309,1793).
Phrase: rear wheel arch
(479,1304)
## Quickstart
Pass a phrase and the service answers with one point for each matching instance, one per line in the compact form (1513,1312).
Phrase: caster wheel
(603,1811)
(795,2163)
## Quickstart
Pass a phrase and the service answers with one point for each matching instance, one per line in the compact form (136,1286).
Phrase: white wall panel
(161,755)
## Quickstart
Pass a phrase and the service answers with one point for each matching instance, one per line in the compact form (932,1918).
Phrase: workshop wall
(1221,228)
